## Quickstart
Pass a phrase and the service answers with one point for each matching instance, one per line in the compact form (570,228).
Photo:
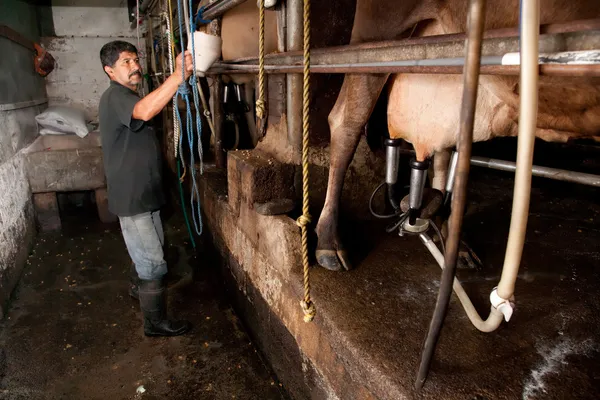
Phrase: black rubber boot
(154,307)
(134,282)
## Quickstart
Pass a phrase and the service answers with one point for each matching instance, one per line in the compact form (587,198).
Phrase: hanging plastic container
(207,51)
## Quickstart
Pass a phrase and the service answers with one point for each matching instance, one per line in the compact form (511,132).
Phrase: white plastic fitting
(505,306)
(207,50)
(268,3)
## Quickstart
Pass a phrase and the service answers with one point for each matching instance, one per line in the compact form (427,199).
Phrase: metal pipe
(281,27)
(393,67)
(219,7)
(528,109)
(551,32)
(216,94)
(509,166)
(441,46)
(475,23)
(544,172)
(294,82)
(282,46)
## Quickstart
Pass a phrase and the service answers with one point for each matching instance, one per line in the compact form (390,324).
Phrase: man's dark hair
(109,54)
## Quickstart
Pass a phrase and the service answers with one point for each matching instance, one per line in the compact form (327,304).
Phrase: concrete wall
(74,31)
(19,83)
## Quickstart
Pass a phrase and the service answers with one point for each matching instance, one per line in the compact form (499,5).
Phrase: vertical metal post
(216,93)
(475,24)
(281,27)
(294,81)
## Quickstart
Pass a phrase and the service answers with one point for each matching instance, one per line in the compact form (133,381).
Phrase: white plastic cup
(207,50)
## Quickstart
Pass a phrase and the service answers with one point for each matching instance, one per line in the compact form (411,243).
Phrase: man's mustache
(135,73)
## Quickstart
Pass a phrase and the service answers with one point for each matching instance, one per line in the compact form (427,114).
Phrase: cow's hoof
(333,260)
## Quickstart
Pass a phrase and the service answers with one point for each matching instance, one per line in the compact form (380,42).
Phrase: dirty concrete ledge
(261,265)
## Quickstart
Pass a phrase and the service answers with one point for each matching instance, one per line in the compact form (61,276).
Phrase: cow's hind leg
(352,109)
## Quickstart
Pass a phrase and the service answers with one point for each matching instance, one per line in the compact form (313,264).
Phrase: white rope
(176,127)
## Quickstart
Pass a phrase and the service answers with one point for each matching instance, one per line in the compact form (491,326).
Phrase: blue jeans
(144,238)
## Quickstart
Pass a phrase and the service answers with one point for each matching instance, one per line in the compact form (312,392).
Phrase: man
(132,164)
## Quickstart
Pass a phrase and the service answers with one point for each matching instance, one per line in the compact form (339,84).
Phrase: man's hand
(154,102)
(189,66)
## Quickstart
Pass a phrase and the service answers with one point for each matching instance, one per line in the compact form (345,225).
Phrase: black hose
(397,224)
(439,233)
(475,25)
(392,196)
(381,216)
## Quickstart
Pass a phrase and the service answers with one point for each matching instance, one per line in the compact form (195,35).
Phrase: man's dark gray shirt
(132,159)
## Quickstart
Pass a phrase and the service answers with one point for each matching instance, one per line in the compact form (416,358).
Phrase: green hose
(187,222)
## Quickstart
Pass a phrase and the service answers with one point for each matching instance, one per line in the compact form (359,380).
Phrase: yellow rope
(307,305)
(171,44)
(260,103)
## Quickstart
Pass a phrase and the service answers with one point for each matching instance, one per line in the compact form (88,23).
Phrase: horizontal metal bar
(219,7)
(437,47)
(549,29)
(545,69)
(22,104)
(588,57)
(544,172)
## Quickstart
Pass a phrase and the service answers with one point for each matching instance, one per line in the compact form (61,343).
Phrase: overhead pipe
(491,65)
(475,23)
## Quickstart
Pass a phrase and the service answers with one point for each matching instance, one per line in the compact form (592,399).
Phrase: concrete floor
(550,349)
(72,332)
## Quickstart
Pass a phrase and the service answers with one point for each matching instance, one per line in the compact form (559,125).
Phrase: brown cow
(424,109)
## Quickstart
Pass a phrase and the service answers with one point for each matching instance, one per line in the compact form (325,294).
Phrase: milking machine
(413,214)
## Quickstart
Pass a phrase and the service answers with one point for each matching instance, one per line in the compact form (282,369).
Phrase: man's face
(127,70)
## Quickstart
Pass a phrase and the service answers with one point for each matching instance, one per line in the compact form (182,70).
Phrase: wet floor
(72,332)
(550,349)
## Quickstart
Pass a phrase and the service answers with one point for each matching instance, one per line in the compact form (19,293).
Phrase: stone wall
(22,96)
